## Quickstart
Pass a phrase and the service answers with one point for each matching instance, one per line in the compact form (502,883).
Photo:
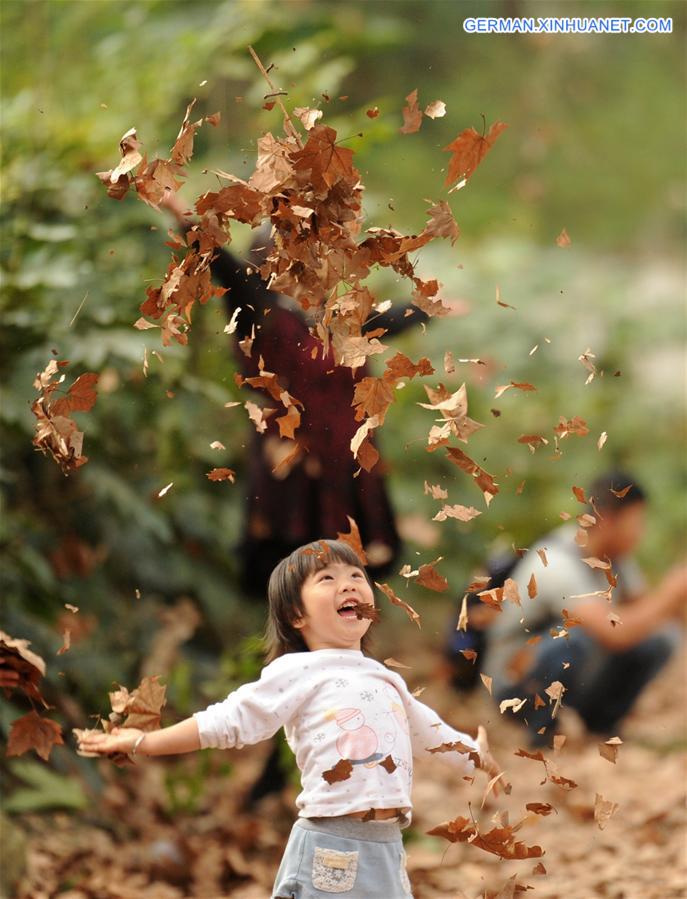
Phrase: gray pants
(359,859)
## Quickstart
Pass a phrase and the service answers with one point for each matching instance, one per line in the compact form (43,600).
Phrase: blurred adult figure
(292,501)
(603,663)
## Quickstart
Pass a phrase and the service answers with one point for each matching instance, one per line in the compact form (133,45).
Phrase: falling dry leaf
(66,642)
(609,749)
(430,578)
(468,150)
(563,240)
(397,601)
(514,704)
(56,432)
(412,115)
(540,808)
(463,619)
(308,117)
(462,513)
(352,538)
(603,810)
(499,841)
(394,663)
(490,786)
(31,731)
(221,474)
(436,109)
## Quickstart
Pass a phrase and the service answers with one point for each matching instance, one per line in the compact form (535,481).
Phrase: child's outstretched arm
(255,711)
(250,714)
(429,732)
(431,735)
(181,737)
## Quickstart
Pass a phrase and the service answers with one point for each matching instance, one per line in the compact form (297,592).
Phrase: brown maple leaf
(468,150)
(353,540)
(31,731)
(322,162)
(430,578)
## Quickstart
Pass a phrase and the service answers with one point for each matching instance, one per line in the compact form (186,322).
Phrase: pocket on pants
(405,880)
(334,871)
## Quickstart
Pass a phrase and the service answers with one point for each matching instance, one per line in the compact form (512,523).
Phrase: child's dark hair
(284,593)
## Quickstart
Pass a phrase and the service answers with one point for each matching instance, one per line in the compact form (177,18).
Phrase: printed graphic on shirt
(360,743)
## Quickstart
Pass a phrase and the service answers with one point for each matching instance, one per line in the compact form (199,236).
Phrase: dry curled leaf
(412,114)
(603,810)
(56,432)
(430,578)
(397,601)
(353,540)
(394,663)
(15,654)
(221,474)
(499,840)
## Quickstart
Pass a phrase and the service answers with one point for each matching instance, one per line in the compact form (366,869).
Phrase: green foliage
(235,667)
(44,789)
(185,783)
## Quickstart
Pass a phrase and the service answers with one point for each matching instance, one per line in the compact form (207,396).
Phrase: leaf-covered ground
(128,845)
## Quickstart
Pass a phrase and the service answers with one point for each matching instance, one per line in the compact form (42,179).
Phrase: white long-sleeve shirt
(337,704)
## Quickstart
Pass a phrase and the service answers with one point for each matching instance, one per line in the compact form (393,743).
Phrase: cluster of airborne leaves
(306,187)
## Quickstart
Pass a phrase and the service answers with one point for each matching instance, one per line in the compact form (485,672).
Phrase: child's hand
(120,739)
(489,764)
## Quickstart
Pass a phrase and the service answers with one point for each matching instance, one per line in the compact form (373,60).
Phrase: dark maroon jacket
(314,499)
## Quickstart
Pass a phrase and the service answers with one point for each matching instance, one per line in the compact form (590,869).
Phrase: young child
(351,722)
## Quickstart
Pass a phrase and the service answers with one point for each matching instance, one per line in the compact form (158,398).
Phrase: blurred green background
(595,144)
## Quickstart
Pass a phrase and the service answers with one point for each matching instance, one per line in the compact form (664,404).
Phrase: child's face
(323,593)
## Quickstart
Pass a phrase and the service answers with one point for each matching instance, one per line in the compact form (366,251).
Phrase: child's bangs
(317,555)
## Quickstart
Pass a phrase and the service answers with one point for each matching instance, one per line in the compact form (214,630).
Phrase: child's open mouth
(355,608)
(349,609)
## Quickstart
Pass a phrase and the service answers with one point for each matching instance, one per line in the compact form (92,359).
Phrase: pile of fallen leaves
(542,839)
